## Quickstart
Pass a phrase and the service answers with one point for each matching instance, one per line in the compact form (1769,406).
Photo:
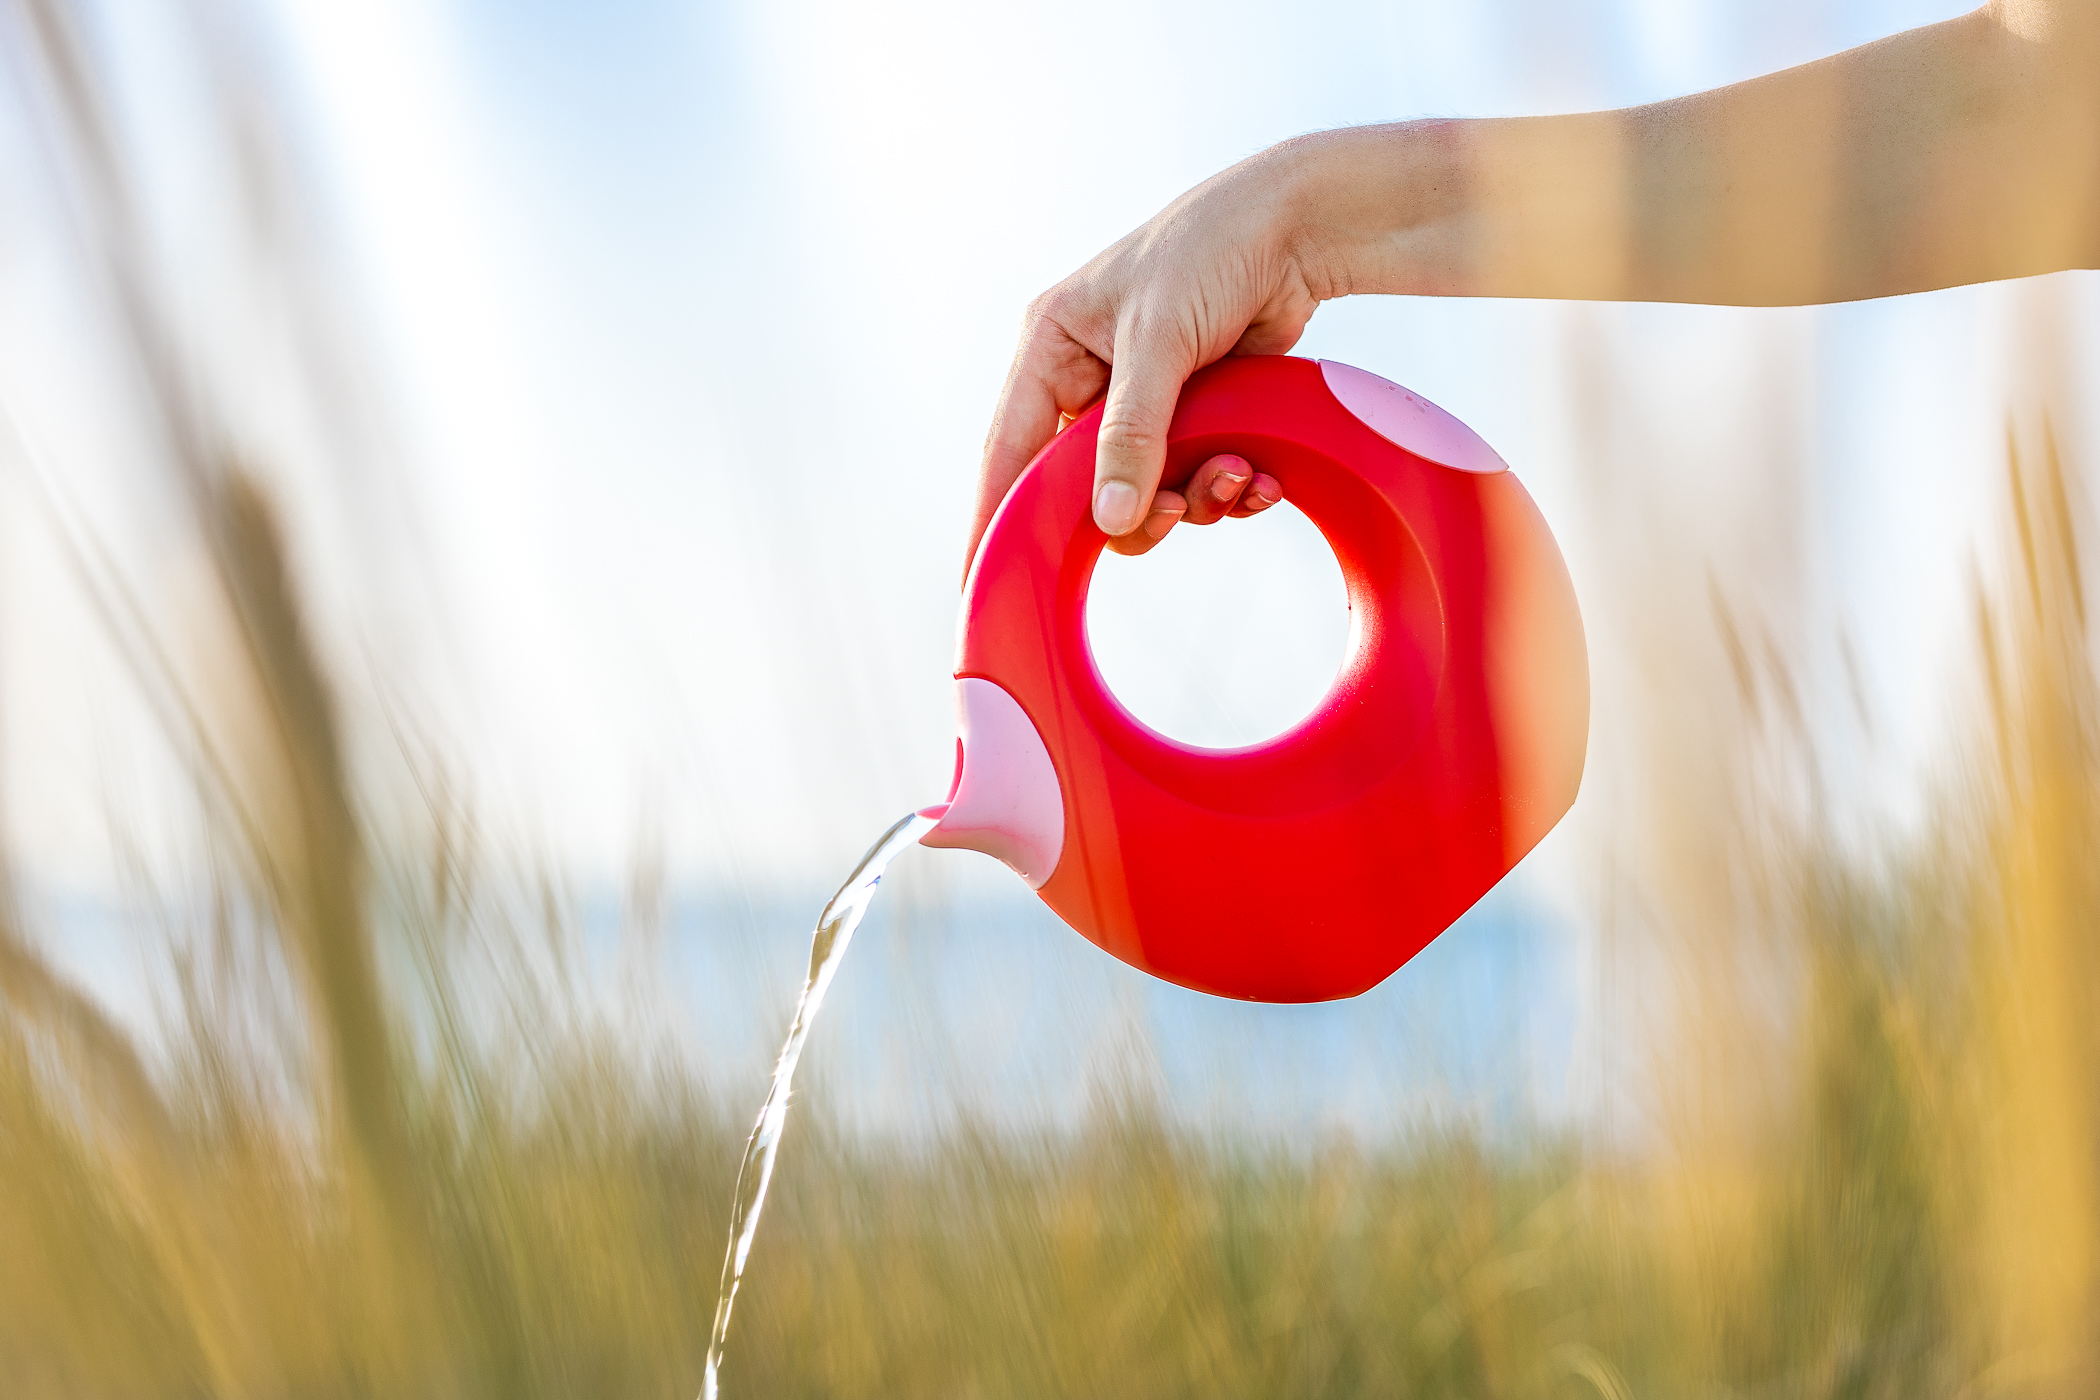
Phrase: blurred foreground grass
(394,1155)
(394,1146)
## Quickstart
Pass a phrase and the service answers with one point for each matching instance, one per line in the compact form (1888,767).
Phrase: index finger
(1052,375)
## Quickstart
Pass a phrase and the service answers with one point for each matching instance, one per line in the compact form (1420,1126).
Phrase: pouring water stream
(755,1174)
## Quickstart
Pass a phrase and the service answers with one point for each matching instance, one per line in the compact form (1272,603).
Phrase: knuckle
(1126,434)
(1060,306)
(1149,322)
(1066,330)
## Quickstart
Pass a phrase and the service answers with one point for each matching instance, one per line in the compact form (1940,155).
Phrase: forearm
(1962,152)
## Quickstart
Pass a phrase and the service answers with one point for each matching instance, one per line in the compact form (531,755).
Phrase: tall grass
(402,1201)
(394,1145)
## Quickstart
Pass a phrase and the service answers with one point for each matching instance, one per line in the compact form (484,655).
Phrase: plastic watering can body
(1313,865)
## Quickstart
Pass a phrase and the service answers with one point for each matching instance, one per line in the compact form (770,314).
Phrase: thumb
(1144,384)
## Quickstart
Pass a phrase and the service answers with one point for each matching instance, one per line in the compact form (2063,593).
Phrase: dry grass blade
(395,1145)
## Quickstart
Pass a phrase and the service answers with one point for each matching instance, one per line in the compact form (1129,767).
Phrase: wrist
(1376,209)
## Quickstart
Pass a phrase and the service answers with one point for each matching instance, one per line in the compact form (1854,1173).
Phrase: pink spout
(1005,800)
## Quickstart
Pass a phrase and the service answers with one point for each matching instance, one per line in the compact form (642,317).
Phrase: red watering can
(1451,742)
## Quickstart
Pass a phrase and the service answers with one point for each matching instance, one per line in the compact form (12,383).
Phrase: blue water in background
(968,998)
(965,999)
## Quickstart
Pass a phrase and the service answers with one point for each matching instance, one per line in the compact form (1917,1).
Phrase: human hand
(1224,269)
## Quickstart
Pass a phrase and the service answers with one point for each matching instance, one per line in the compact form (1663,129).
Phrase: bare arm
(1961,152)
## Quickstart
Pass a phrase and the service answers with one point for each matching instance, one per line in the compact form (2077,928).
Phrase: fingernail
(1116,507)
(1167,510)
(1224,486)
(1255,500)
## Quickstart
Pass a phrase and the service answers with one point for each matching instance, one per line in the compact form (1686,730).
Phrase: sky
(697,315)
(688,321)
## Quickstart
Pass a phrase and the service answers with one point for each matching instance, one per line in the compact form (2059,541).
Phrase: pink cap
(1407,420)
